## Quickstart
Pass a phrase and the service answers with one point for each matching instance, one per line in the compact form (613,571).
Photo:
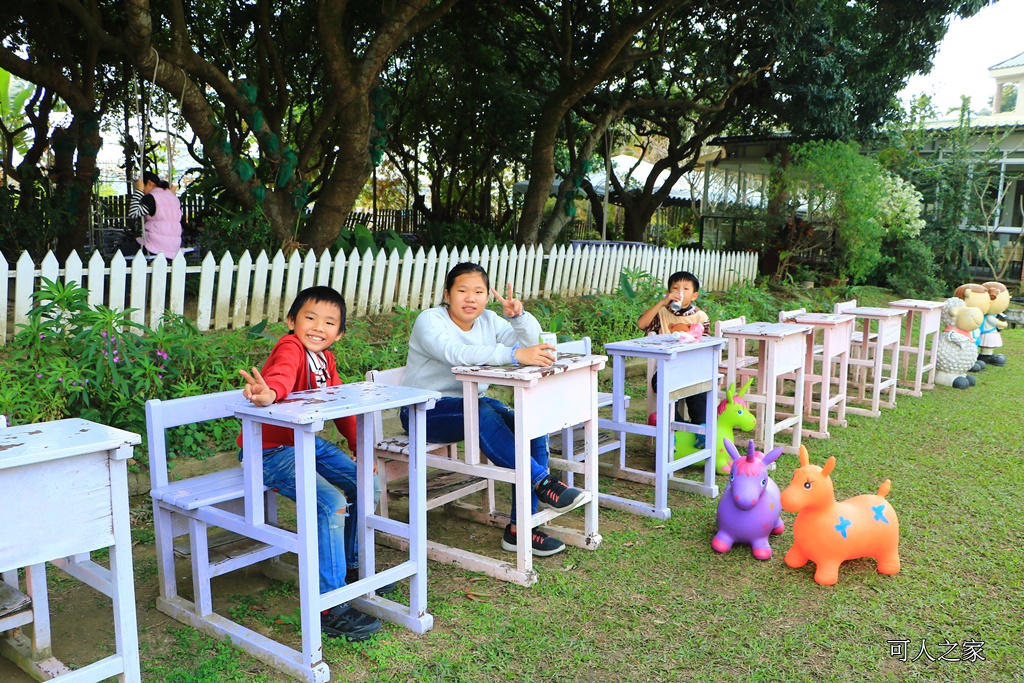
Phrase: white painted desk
(782,349)
(872,357)
(929,314)
(546,400)
(68,482)
(836,332)
(681,365)
(305,412)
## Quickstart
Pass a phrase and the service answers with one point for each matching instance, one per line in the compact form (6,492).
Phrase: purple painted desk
(680,365)
(306,412)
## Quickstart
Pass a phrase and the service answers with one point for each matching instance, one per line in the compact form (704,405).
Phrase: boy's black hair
(684,276)
(320,293)
(462,269)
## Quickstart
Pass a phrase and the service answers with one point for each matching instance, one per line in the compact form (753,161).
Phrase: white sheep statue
(957,351)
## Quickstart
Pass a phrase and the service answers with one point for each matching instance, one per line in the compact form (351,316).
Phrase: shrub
(74,360)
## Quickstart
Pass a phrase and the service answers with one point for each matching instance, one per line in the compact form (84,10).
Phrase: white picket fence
(234,294)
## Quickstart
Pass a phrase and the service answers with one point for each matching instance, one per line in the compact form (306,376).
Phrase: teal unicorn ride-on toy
(733,414)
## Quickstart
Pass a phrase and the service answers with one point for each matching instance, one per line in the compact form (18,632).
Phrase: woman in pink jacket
(154,200)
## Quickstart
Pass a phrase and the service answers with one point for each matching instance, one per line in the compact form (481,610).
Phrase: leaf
(626,287)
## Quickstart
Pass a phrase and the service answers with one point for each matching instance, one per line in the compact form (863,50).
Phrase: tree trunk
(778,207)
(541,168)
(342,188)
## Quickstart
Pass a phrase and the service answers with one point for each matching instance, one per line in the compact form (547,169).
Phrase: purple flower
(60,379)
(103,333)
(39,374)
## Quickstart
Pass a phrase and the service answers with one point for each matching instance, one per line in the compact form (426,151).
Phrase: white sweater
(437,344)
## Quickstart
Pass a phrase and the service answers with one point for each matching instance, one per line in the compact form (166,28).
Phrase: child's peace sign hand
(256,389)
(511,307)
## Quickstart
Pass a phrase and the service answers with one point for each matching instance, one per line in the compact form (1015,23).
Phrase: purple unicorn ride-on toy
(749,509)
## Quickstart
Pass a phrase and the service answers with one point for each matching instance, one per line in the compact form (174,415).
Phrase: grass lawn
(656,603)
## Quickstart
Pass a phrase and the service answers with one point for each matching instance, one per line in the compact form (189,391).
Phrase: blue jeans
(497,436)
(335,490)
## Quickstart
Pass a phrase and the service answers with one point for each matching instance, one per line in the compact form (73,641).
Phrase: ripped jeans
(335,490)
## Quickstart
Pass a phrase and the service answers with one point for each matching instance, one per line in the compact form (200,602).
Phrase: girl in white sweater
(462,331)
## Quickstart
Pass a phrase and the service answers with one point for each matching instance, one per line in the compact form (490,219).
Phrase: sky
(970,47)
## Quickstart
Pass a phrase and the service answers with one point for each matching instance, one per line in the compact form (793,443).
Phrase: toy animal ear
(827,469)
(730,393)
(772,455)
(805,459)
(730,448)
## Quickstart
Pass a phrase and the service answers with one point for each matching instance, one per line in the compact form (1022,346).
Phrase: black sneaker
(352,575)
(554,493)
(348,622)
(543,545)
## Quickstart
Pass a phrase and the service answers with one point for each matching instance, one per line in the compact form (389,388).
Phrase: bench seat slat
(206,489)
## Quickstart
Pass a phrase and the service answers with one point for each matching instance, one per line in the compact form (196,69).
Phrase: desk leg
(122,578)
(418,510)
(908,327)
(309,556)
(766,372)
(38,631)
(826,385)
(844,387)
(619,401)
(798,407)
(930,382)
(663,444)
(877,380)
(711,436)
(367,547)
(524,509)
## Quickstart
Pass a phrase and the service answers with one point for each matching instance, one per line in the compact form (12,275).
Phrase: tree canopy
(292,104)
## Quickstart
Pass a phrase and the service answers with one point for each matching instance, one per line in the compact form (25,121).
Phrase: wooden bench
(191,506)
(391,453)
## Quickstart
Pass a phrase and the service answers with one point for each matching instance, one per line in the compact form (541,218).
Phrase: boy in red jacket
(301,360)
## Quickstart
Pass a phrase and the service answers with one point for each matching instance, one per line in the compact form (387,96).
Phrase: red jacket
(287,370)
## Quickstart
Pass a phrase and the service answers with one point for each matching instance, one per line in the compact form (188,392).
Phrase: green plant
(73,359)
(223,231)
(359,239)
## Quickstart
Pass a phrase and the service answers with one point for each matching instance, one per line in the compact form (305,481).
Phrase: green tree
(850,203)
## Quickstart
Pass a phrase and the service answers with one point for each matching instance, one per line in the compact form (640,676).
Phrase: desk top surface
(45,441)
(770,330)
(662,344)
(519,373)
(330,403)
(823,318)
(875,312)
(917,304)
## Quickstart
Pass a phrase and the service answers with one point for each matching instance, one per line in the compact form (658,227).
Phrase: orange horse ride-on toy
(829,533)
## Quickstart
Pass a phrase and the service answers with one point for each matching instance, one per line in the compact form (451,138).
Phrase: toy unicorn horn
(749,509)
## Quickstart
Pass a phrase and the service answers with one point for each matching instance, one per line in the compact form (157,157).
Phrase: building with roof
(745,161)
